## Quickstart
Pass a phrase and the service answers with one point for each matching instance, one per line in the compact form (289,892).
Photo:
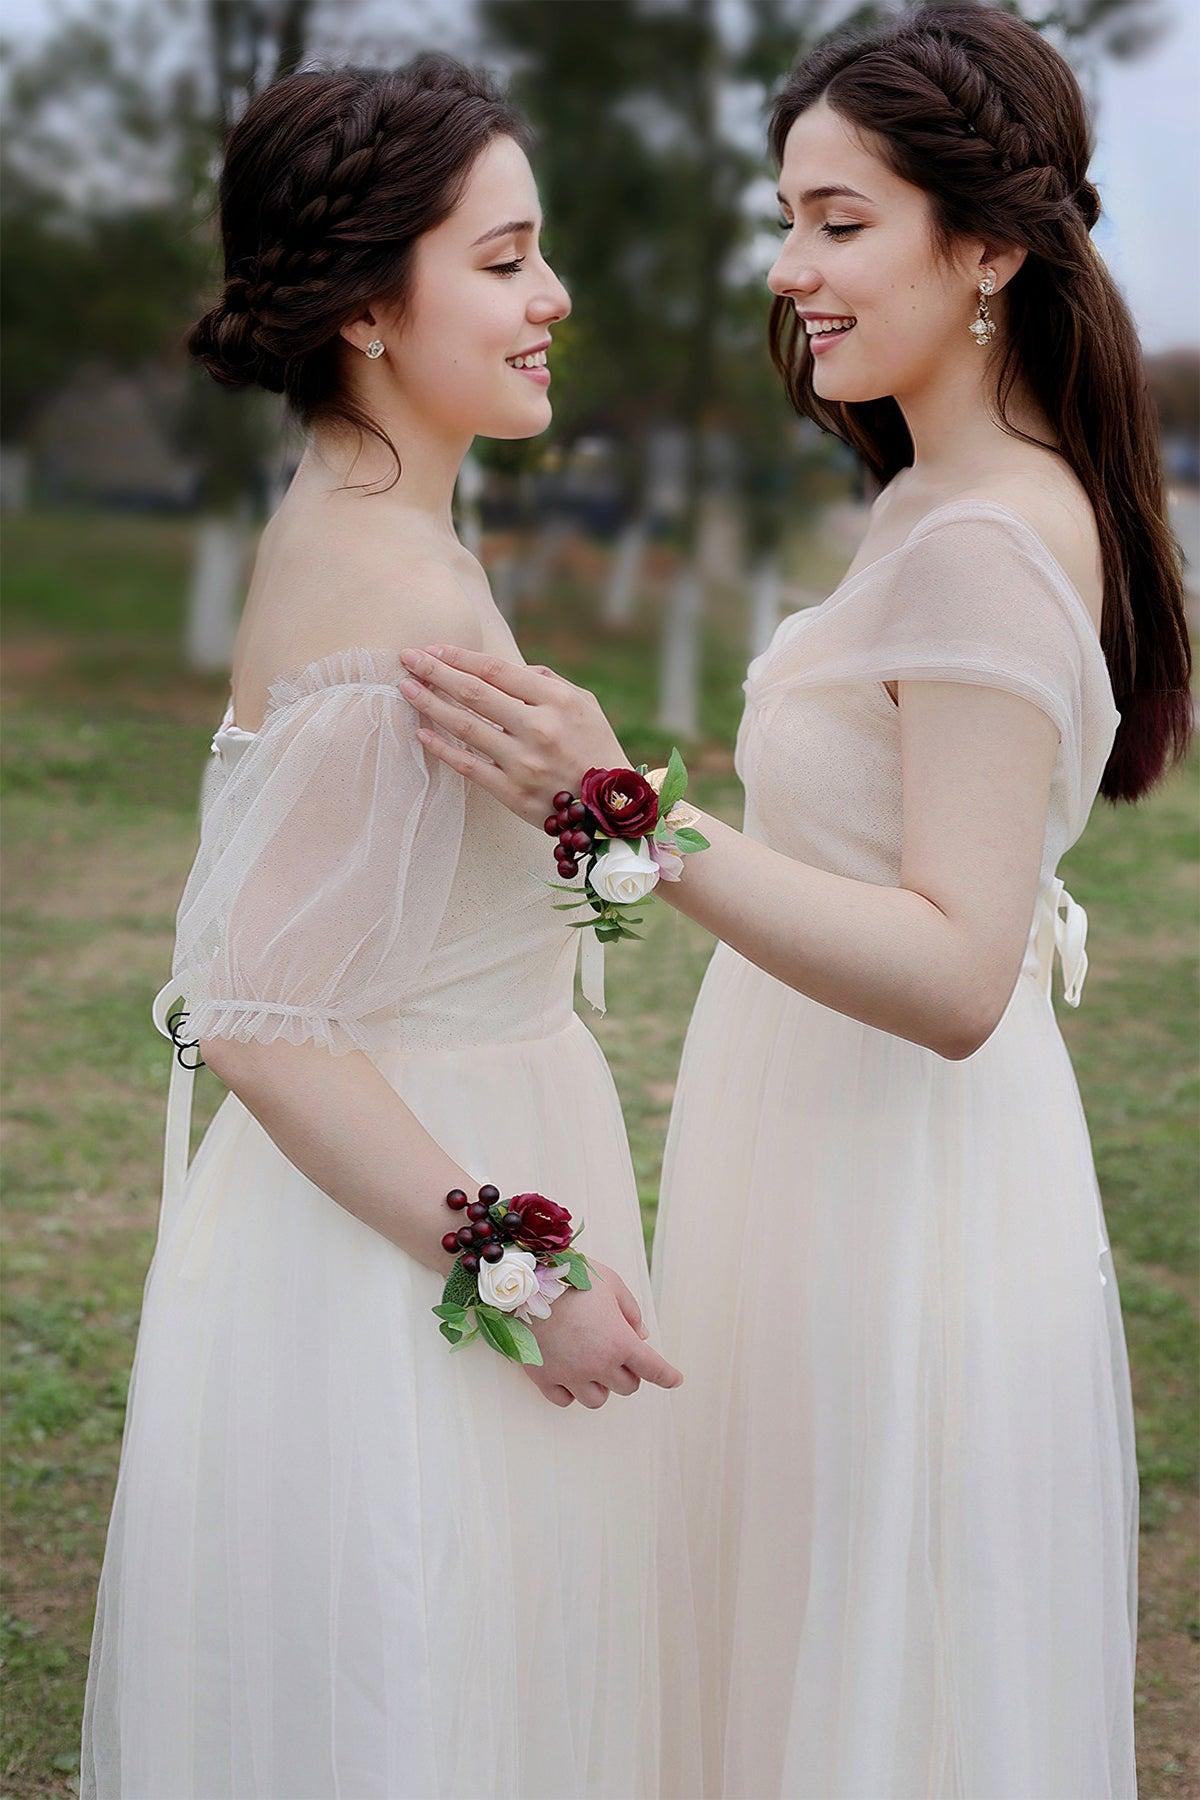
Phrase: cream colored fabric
(907,1427)
(341,1559)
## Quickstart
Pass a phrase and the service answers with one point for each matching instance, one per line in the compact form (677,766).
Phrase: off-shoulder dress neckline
(354,662)
(980,505)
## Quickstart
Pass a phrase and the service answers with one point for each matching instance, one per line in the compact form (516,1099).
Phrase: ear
(1005,259)
(360,330)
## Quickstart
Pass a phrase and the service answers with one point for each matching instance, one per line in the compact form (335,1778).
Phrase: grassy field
(104,740)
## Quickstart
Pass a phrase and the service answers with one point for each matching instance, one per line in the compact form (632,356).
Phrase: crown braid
(329,179)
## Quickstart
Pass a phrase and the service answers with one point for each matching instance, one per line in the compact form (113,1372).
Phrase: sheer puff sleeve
(325,862)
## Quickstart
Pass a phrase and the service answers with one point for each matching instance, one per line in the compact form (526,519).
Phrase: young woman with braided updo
(908,1454)
(343,1560)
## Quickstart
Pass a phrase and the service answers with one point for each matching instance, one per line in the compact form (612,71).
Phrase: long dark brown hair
(329,178)
(973,106)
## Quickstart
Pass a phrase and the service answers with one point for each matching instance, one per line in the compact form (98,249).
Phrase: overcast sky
(1147,162)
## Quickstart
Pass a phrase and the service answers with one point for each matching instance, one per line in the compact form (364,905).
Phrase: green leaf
(577,1271)
(496,1329)
(469,1338)
(450,1311)
(688,838)
(461,1287)
(674,784)
(528,1347)
(451,1333)
(569,905)
(624,931)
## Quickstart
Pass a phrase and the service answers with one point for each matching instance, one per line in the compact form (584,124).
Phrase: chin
(850,390)
(534,421)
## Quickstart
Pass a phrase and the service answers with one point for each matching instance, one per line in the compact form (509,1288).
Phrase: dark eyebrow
(510,229)
(830,192)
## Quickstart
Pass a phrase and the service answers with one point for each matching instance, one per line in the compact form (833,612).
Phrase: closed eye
(508,268)
(833,231)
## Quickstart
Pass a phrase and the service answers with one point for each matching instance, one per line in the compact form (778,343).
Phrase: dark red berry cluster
(574,827)
(480,1238)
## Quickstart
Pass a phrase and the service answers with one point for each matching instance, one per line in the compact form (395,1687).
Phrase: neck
(955,428)
(429,465)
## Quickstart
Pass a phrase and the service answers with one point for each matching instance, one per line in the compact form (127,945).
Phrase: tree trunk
(624,575)
(218,568)
(678,710)
(764,615)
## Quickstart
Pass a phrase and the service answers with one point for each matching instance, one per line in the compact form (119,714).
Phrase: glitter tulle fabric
(343,1561)
(907,1427)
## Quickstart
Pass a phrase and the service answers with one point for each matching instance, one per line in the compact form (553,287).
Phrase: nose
(553,302)
(789,276)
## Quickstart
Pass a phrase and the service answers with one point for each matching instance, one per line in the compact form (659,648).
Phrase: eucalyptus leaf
(577,1272)
(496,1329)
(674,784)
(528,1348)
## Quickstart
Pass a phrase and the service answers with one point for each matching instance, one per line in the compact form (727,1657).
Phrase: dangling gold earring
(983,329)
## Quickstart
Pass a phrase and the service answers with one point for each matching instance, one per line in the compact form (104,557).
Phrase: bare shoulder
(312,600)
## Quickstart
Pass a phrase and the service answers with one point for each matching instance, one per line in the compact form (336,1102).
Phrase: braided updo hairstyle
(971,105)
(329,178)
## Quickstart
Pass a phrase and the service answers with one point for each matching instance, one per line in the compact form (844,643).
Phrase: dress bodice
(972,594)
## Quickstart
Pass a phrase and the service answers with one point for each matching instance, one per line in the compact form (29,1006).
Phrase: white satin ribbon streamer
(1061,925)
(591,969)
(1070,936)
(177,1137)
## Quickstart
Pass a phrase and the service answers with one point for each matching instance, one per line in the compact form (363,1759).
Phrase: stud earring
(983,329)
(375,348)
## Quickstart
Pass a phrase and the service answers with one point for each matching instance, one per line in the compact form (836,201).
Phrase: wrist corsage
(512,1260)
(631,828)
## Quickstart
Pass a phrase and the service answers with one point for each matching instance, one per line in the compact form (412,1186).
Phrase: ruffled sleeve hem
(266,1022)
(359,665)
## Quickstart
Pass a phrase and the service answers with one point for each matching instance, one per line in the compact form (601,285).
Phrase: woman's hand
(593,1344)
(529,732)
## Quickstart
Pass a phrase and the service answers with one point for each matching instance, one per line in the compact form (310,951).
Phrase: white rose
(510,1282)
(624,874)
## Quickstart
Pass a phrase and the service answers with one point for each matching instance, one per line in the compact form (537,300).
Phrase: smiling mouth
(535,360)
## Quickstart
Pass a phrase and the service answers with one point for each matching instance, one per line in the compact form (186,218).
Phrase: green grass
(104,739)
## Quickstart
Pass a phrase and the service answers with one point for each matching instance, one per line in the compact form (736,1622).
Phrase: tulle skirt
(343,1561)
(906,1429)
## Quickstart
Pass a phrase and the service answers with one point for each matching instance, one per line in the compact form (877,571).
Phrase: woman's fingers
(488,739)
(646,1361)
(489,699)
(475,768)
(522,681)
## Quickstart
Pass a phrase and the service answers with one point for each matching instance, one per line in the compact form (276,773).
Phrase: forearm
(344,1126)
(884,955)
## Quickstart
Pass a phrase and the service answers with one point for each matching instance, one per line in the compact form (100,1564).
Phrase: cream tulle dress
(906,1425)
(343,1561)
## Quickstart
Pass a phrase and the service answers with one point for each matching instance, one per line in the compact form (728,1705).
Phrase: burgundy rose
(538,1224)
(623,801)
